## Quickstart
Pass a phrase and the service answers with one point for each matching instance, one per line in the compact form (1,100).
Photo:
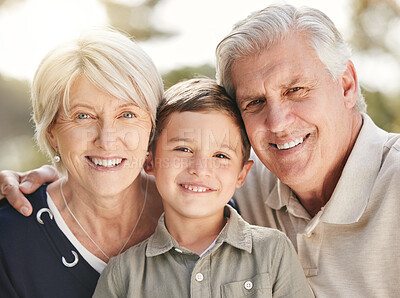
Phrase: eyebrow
(296,81)
(80,105)
(180,139)
(128,104)
(121,106)
(226,146)
(249,98)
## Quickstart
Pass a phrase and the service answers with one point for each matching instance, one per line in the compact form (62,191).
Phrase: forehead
(288,62)
(83,91)
(204,128)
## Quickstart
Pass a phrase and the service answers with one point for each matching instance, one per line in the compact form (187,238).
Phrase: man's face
(298,118)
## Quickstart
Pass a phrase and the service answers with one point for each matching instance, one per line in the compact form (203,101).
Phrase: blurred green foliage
(372,22)
(16,129)
(188,72)
(135,20)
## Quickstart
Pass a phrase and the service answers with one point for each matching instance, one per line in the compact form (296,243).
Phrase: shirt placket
(309,235)
(200,280)
(309,245)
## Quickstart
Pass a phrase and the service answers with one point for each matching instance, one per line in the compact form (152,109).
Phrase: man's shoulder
(391,153)
(393,143)
(389,171)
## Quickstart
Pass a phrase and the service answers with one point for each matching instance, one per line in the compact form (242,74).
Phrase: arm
(14,184)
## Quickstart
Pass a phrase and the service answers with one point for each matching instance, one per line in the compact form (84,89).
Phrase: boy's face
(197,163)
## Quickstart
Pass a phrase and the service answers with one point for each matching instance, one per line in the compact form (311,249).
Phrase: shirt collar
(350,197)
(236,233)
(282,196)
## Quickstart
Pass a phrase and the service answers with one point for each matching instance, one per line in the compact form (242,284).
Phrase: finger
(32,180)
(8,177)
(9,188)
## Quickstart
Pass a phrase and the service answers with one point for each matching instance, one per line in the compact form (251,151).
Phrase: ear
(149,164)
(52,138)
(243,173)
(349,84)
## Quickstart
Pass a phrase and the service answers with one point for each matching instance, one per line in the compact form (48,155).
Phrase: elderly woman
(94,105)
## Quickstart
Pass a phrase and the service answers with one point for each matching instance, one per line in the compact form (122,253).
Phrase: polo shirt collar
(350,197)
(282,196)
(236,233)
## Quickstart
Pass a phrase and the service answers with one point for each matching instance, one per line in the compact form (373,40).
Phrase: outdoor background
(180,36)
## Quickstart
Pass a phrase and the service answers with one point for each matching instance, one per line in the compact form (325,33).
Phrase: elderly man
(325,174)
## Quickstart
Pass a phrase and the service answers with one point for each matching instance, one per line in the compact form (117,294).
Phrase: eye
(183,149)
(292,90)
(128,115)
(222,155)
(83,116)
(254,104)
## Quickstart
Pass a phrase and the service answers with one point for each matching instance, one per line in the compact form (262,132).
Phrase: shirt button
(248,285)
(199,277)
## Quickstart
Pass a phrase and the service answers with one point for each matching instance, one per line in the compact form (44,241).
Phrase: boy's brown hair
(199,95)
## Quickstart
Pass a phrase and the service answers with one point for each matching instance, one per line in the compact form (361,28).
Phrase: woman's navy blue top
(32,255)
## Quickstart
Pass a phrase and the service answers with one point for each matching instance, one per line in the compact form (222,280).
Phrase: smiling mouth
(195,188)
(106,163)
(291,144)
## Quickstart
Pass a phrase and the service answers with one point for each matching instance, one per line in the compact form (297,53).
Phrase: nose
(106,136)
(200,166)
(278,115)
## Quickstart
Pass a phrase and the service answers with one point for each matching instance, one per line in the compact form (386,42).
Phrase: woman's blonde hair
(110,60)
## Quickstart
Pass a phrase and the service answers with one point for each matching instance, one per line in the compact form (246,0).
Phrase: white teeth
(289,145)
(107,163)
(195,188)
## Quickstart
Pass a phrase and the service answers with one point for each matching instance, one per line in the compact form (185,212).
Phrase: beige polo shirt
(351,248)
(246,261)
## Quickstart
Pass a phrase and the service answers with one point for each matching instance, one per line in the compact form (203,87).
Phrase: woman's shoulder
(11,219)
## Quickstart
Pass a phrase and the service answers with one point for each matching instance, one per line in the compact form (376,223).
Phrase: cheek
(136,139)
(133,139)
(225,172)
(74,140)
(254,125)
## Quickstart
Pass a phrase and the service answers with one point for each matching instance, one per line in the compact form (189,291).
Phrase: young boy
(202,247)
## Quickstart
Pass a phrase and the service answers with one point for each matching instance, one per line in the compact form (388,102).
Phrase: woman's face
(102,140)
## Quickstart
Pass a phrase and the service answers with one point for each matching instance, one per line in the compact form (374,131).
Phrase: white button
(199,277)
(178,250)
(248,285)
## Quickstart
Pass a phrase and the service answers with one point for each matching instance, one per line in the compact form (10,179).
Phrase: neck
(194,234)
(102,224)
(315,194)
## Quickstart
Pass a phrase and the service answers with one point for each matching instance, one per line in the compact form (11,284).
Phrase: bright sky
(29,29)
